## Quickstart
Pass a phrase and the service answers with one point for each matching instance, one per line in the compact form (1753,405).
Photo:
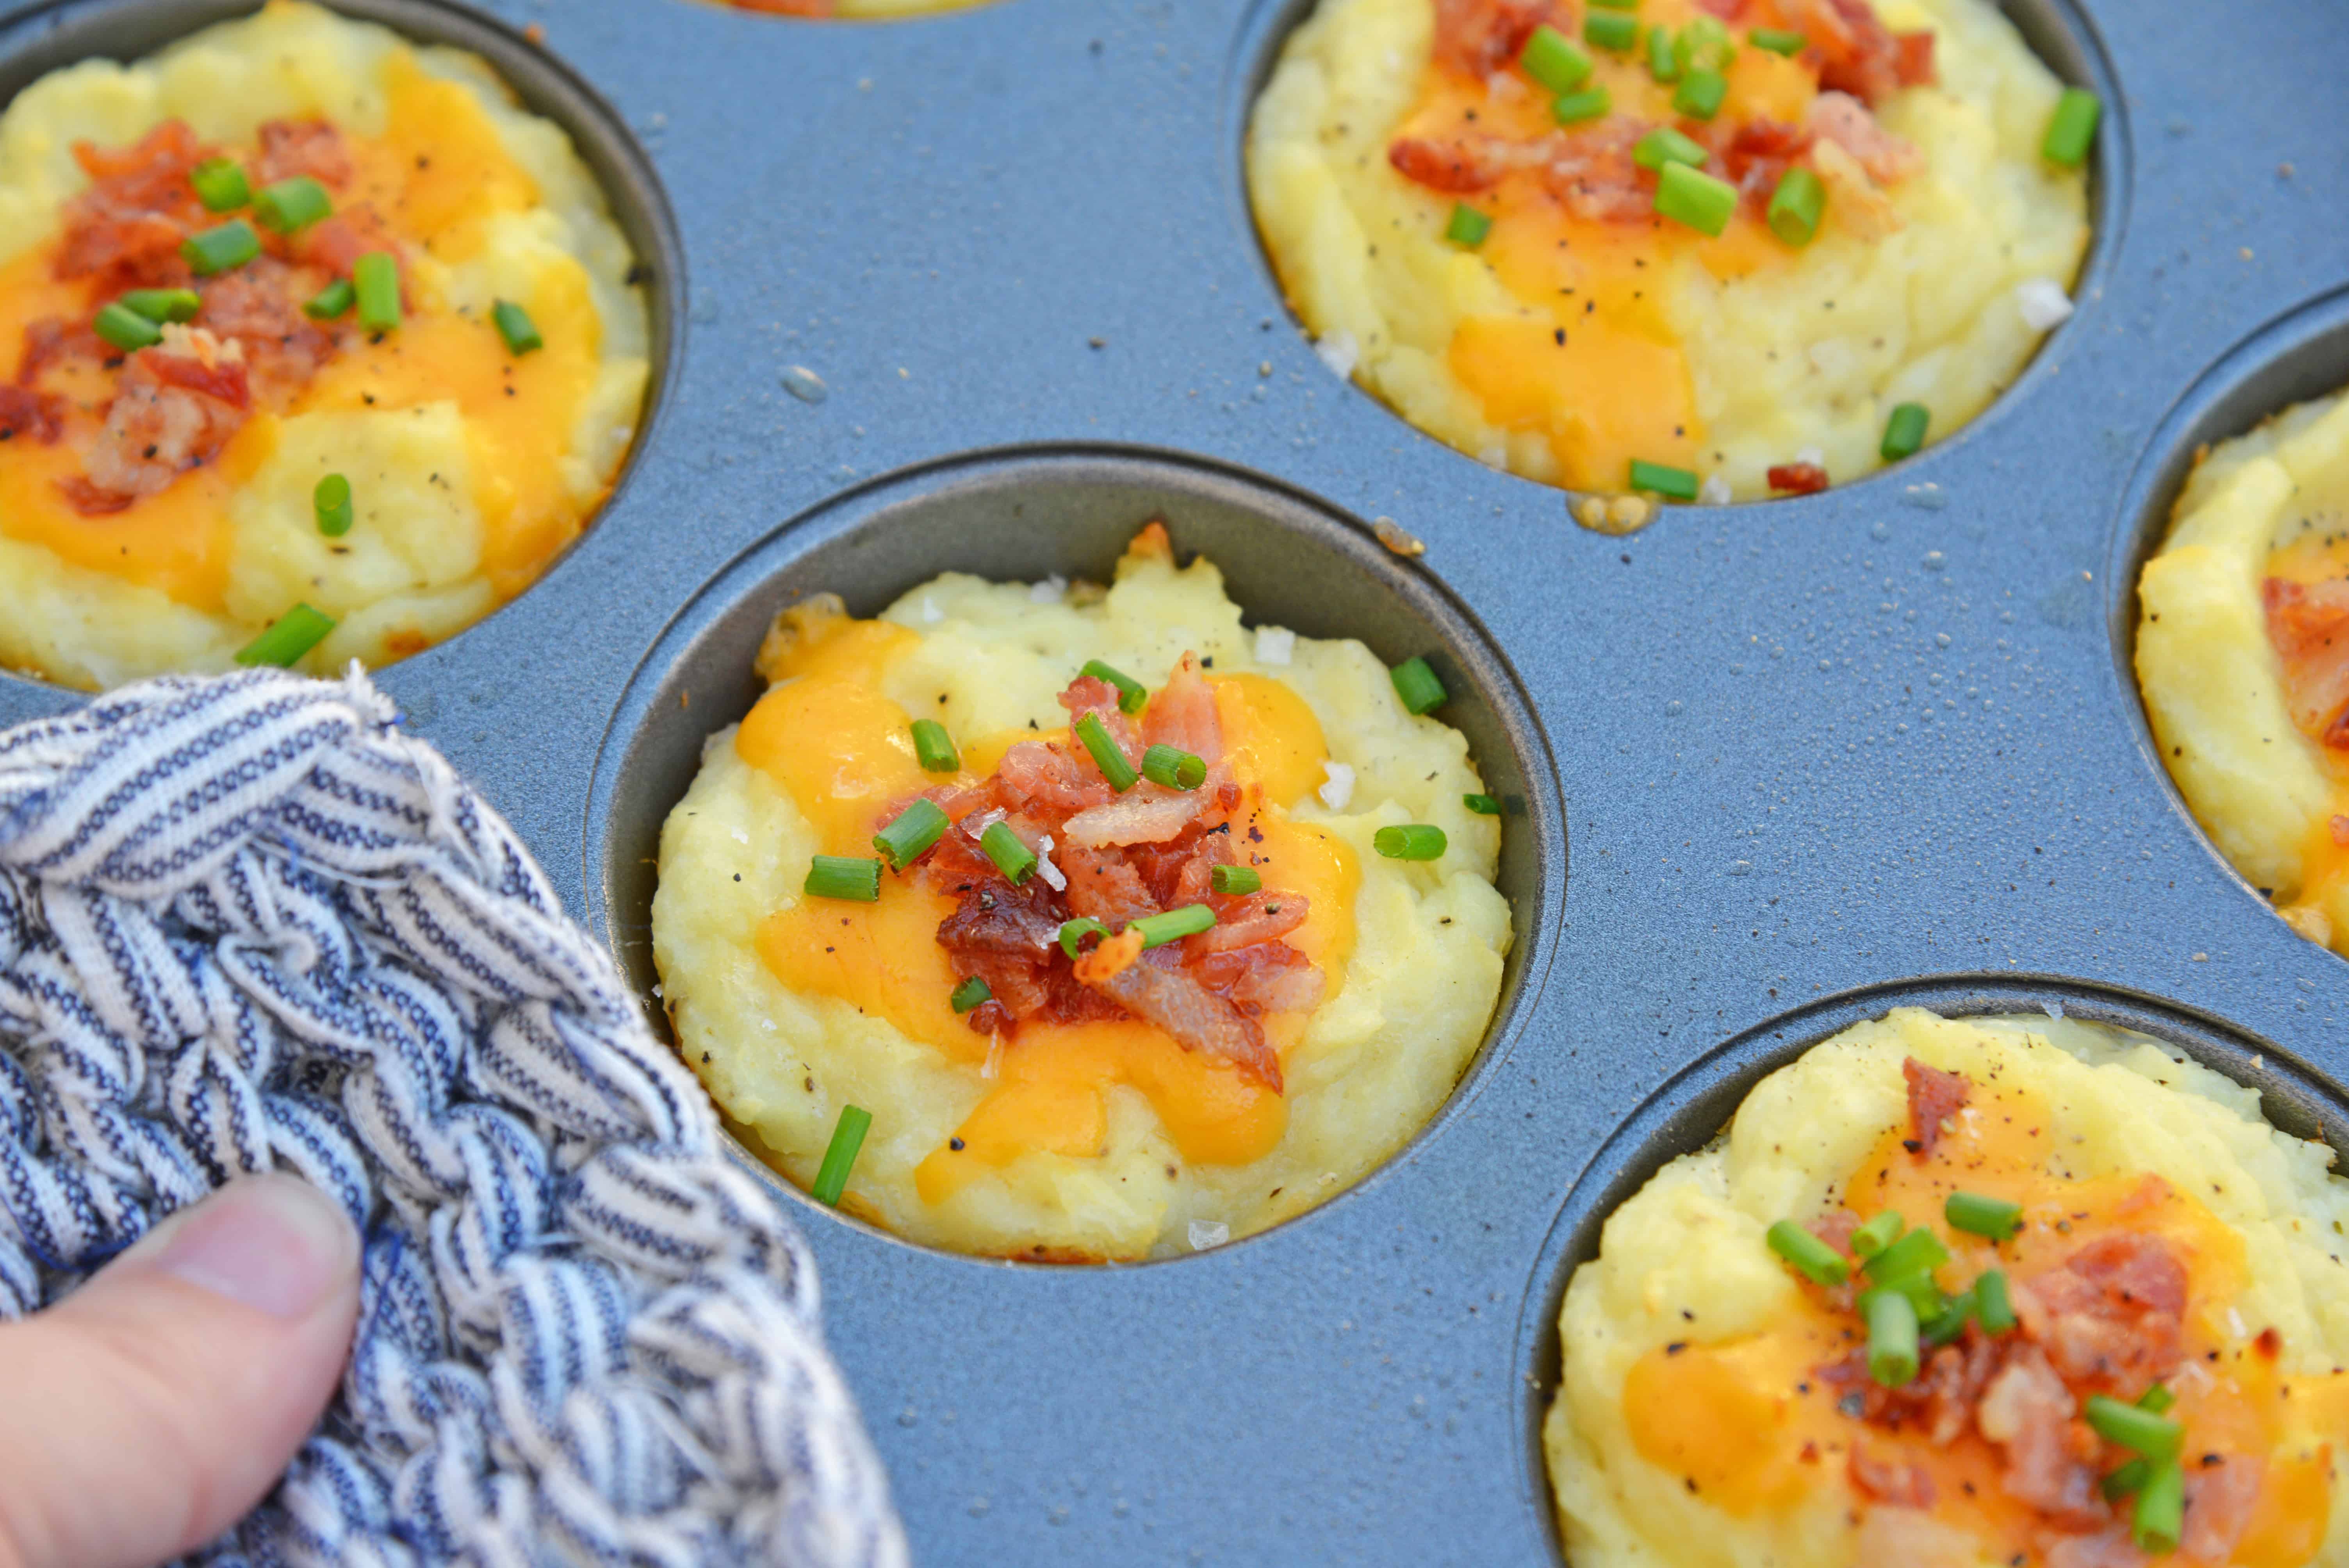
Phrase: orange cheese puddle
(1589,362)
(1751,1426)
(827,734)
(438,176)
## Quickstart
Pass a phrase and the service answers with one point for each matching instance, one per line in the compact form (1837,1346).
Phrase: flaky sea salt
(1047,591)
(1714,491)
(1275,644)
(1340,788)
(1340,352)
(2236,1326)
(2043,303)
(1051,874)
(1206,1233)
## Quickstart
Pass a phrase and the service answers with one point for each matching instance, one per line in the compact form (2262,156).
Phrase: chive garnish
(1919,1252)
(1686,194)
(1617,5)
(2159,1518)
(909,838)
(125,328)
(1158,930)
(1411,841)
(1891,1338)
(331,301)
(290,636)
(2071,127)
(1237,880)
(1879,1234)
(1573,108)
(291,205)
(375,276)
(215,250)
(1904,431)
(1777,40)
(1107,755)
(1949,1323)
(1663,63)
(840,1155)
(1467,227)
(2157,1437)
(165,304)
(1678,484)
(220,185)
(1482,805)
(2131,1477)
(1417,686)
(969,995)
(1705,45)
(1074,932)
(1981,1216)
(1015,860)
(1173,768)
(934,748)
(1554,61)
(1795,206)
(1130,693)
(1616,33)
(2156,1398)
(1809,1256)
(516,327)
(1699,94)
(1664,145)
(330,503)
(1994,1309)
(851,877)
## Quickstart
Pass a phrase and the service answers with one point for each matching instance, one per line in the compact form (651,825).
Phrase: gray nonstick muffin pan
(981,291)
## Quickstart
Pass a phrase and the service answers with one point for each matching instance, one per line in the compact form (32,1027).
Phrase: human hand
(147,1412)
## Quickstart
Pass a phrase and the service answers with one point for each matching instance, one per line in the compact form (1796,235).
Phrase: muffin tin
(982,290)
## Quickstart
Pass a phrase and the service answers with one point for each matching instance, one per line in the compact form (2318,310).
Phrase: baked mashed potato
(290,247)
(2243,655)
(1053,1070)
(1507,283)
(2171,1271)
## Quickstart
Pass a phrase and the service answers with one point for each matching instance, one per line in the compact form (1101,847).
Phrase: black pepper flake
(954,1144)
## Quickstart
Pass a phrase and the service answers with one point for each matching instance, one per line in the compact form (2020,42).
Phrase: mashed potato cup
(1957,1293)
(1472,206)
(1138,971)
(325,350)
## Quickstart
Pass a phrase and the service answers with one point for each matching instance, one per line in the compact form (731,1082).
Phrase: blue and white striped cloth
(247,924)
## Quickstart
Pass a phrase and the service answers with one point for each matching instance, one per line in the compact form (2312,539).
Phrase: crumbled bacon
(2112,1317)
(1843,120)
(2105,1548)
(1890,1481)
(1593,174)
(1480,36)
(25,412)
(2308,623)
(1460,165)
(292,147)
(2221,1499)
(1727,10)
(1934,1097)
(1797,479)
(1758,153)
(1857,54)
(258,305)
(2051,1455)
(129,223)
(171,412)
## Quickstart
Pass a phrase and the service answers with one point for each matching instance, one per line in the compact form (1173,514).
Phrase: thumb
(145,1414)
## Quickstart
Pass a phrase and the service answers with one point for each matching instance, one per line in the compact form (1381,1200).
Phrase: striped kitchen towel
(247,924)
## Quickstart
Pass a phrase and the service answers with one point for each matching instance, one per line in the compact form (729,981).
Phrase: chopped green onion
(2071,127)
(2161,1516)
(850,877)
(1616,33)
(1418,686)
(1981,1216)
(1414,841)
(1482,805)
(2157,1437)
(1014,858)
(909,838)
(165,304)
(1173,768)
(1993,1308)
(840,1156)
(1663,64)
(1573,108)
(1158,930)
(291,205)
(1130,693)
(1554,61)
(125,328)
(1777,40)
(934,748)
(2156,1398)
(220,185)
(1705,45)
(1074,932)
(2130,1477)
(1879,1234)
(969,995)
(375,276)
(1949,1321)
(1904,431)
(1679,484)
(1107,756)
(290,636)
(1235,880)
(1664,145)
(1810,1257)
(1699,94)
(331,301)
(330,503)
(1795,206)
(1919,1252)
(1922,1293)
(1891,1338)
(1468,227)
(516,327)
(1617,5)
(231,245)
(1688,195)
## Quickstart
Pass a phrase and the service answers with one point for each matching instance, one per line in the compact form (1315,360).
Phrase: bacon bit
(2051,1458)
(2270,1344)
(1146,814)
(2308,624)
(1182,714)
(1480,36)
(129,223)
(2112,1317)
(2105,1548)
(2339,826)
(1798,478)
(170,413)
(1858,55)
(1153,543)
(1727,10)
(1869,213)
(1843,120)
(25,412)
(1913,58)
(292,147)
(1891,1481)
(1757,155)
(2219,1502)
(1456,168)
(1253,918)
(1593,173)
(1909,1538)
(1199,1020)
(1835,1228)
(256,307)
(1934,1097)
(1108,958)
(1103,887)
(336,242)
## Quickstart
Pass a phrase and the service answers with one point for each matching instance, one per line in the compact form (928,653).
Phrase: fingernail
(272,1243)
